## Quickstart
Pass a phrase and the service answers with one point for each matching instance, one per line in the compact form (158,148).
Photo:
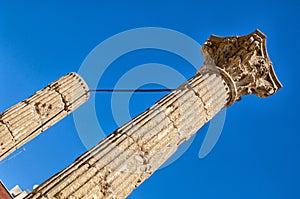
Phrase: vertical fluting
(27,119)
(127,157)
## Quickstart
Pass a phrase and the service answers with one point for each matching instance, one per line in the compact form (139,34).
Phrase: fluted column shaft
(127,157)
(27,119)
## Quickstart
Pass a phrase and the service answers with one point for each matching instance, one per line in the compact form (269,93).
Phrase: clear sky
(257,155)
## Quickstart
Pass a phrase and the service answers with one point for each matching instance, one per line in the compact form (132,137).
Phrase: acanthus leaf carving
(246,60)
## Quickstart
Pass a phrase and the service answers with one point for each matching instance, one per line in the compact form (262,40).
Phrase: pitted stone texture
(73,89)
(27,119)
(246,60)
(113,168)
(7,140)
(126,158)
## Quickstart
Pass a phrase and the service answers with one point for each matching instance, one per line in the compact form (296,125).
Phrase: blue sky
(257,155)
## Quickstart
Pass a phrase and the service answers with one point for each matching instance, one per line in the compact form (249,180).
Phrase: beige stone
(234,66)
(27,119)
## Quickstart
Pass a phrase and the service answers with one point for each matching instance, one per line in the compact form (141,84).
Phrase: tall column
(27,119)
(234,66)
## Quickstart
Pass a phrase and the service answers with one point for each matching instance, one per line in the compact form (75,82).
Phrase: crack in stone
(10,131)
(208,115)
(202,101)
(56,89)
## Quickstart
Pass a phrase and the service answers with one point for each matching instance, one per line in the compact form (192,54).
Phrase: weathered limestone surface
(245,60)
(132,153)
(27,119)
(234,66)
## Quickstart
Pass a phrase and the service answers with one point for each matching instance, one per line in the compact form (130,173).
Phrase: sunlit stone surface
(27,119)
(234,66)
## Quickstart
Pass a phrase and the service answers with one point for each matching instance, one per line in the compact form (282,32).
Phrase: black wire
(132,90)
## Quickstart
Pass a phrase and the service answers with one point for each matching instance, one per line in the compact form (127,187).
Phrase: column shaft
(27,119)
(127,157)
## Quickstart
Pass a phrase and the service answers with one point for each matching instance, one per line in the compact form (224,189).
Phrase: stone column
(27,119)
(234,66)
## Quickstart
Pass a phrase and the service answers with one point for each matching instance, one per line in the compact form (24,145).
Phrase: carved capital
(245,60)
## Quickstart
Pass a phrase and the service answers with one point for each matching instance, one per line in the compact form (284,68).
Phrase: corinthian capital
(245,63)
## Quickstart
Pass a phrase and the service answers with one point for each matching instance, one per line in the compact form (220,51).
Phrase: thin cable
(12,157)
(132,90)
